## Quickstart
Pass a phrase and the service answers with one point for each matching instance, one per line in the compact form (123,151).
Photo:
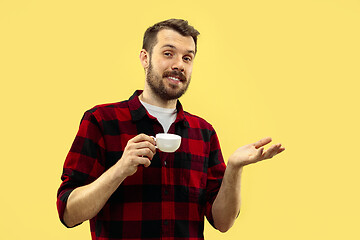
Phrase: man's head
(167,56)
(178,25)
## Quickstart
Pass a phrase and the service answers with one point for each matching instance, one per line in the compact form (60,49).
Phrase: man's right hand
(139,150)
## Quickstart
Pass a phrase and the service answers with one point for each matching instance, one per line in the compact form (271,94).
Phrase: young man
(116,178)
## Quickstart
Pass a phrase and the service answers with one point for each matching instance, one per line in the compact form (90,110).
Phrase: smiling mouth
(175,76)
(174,79)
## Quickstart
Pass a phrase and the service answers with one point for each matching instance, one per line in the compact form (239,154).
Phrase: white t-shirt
(165,116)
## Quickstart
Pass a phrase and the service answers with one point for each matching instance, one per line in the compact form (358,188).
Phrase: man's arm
(86,201)
(226,206)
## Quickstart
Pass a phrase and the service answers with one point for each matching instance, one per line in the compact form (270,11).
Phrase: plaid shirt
(167,200)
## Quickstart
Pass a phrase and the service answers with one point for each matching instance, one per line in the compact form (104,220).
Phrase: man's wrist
(232,164)
(233,171)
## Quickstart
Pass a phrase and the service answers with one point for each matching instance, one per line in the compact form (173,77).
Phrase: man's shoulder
(196,121)
(110,111)
(107,106)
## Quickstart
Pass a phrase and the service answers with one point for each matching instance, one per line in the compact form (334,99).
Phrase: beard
(156,83)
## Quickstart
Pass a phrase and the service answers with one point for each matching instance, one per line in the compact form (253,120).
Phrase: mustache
(174,74)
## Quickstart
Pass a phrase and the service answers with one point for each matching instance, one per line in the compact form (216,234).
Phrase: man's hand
(254,152)
(139,151)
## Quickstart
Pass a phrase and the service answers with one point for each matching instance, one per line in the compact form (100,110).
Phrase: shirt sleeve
(216,169)
(84,162)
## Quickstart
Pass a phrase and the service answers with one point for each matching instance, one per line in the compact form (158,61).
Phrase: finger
(145,144)
(142,141)
(142,137)
(281,150)
(258,155)
(137,138)
(272,151)
(145,152)
(144,161)
(262,142)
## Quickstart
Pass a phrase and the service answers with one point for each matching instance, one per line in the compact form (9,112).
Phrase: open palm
(255,152)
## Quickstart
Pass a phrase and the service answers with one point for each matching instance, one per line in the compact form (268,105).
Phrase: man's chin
(172,94)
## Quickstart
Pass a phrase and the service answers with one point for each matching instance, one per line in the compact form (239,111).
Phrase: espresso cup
(167,142)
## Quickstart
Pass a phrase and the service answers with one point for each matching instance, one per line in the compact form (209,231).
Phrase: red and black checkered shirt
(167,200)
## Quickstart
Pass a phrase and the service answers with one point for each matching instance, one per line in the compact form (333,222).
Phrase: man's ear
(144,58)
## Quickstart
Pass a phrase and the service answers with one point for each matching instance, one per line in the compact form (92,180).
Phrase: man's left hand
(254,152)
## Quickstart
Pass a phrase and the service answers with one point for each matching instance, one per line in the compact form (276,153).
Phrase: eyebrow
(172,46)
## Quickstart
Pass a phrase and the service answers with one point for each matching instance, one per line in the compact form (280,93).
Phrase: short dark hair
(179,25)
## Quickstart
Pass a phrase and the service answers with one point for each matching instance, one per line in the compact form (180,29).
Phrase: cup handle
(154,140)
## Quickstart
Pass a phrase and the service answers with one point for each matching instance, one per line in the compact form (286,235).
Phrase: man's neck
(151,98)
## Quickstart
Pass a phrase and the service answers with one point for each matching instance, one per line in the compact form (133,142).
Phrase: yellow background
(286,69)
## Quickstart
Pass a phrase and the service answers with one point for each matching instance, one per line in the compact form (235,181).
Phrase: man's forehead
(173,39)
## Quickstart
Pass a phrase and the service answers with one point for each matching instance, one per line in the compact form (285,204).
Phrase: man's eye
(168,54)
(187,59)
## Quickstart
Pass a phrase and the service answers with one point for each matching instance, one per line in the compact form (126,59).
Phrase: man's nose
(178,65)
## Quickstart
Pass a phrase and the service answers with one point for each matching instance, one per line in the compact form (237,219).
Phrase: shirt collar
(138,111)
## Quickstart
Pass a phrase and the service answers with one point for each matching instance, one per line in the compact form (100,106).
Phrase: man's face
(170,66)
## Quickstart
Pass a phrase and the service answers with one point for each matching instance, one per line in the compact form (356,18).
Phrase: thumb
(258,155)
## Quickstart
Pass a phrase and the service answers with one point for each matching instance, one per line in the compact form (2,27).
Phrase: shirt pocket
(193,176)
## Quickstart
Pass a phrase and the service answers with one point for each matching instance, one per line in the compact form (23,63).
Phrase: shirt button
(164,163)
(166,192)
(166,222)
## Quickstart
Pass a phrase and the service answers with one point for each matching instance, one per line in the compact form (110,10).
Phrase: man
(115,177)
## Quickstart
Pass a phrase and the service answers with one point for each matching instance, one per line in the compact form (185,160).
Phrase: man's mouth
(175,77)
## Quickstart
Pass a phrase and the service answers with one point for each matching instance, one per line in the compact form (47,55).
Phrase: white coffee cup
(167,142)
